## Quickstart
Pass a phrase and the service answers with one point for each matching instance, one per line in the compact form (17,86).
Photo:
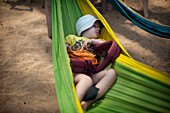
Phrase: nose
(98,28)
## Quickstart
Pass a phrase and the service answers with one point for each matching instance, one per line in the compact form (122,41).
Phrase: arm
(91,41)
(67,45)
(95,41)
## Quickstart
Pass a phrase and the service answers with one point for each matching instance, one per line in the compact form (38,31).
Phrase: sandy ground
(26,72)
(141,45)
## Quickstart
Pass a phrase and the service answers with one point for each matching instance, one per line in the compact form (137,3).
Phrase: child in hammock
(88,29)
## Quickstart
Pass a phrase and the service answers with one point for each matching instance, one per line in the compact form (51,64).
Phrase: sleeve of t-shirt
(69,39)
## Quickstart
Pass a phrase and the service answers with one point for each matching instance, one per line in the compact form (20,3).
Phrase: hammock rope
(139,88)
(140,21)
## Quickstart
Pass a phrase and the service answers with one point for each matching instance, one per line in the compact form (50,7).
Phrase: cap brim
(89,25)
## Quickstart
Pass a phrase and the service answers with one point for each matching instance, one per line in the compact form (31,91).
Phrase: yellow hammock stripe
(107,34)
(79,108)
(154,73)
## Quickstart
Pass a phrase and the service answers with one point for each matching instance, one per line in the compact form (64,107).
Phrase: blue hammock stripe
(156,29)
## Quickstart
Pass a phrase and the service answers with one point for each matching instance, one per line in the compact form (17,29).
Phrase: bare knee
(111,74)
(87,80)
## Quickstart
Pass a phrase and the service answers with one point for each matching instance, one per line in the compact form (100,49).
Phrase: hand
(87,44)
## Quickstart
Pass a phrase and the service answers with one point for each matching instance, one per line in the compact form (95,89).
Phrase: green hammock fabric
(133,91)
(60,63)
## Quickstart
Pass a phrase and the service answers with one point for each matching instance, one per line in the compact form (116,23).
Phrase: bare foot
(86,104)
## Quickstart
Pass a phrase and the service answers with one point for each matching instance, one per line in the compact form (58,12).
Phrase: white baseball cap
(85,22)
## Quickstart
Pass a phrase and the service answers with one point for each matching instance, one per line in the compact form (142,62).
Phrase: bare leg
(103,80)
(83,83)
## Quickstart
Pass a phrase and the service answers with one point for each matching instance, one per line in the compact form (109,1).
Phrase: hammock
(139,88)
(156,29)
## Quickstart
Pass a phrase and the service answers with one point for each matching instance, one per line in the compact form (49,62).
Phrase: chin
(95,37)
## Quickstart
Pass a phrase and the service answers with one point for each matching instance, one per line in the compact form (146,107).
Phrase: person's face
(93,32)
